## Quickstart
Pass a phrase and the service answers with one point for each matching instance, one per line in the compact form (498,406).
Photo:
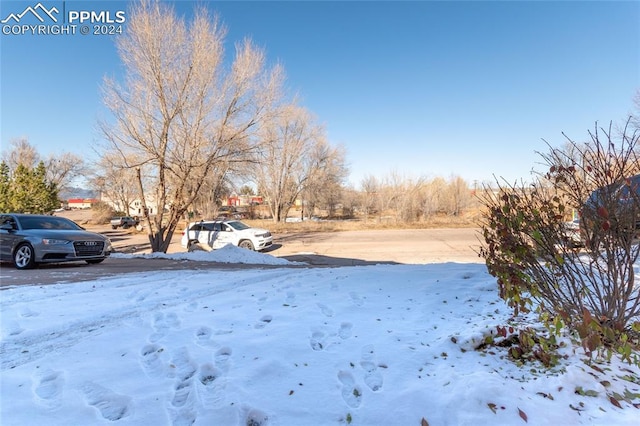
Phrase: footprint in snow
(222,358)
(11,328)
(368,352)
(183,366)
(357,300)
(185,370)
(111,406)
(253,417)
(182,395)
(210,386)
(172,320)
(150,360)
(264,321)
(326,311)
(345,330)
(203,337)
(351,394)
(48,387)
(162,323)
(372,376)
(317,341)
(182,416)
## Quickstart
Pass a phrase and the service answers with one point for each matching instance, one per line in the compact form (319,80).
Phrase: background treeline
(29,183)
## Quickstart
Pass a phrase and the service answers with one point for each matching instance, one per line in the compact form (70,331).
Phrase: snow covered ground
(369,345)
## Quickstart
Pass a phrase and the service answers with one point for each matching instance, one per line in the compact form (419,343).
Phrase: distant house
(242,200)
(80,203)
(134,209)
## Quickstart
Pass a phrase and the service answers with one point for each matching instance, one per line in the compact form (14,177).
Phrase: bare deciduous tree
(458,195)
(61,169)
(293,154)
(115,183)
(180,113)
(410,200)
(22,152)
(324,187)
(369,190)
(433,196)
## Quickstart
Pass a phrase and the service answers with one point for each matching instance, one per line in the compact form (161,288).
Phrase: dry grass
(360,225)
(90,217)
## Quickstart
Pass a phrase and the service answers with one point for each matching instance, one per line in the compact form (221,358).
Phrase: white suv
(218,233)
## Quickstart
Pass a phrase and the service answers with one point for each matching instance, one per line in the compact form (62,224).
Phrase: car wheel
(246,244)
(94,261)
(114,227)
(24,257)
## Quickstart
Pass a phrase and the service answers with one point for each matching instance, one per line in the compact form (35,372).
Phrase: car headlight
(263,235)
(51,241)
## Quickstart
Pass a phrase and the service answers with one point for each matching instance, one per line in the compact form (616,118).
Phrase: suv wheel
(192,245)
(246,244)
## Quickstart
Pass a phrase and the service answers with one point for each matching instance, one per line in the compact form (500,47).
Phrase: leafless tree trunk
(180,113)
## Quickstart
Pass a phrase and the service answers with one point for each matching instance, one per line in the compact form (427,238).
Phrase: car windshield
(238,226)
(51,222)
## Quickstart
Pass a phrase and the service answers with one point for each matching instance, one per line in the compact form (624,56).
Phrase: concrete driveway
(408,246)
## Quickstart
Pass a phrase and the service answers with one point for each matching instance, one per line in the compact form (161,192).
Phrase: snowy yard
(370,345)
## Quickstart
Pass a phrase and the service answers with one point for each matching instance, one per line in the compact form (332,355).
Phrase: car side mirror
(7,227)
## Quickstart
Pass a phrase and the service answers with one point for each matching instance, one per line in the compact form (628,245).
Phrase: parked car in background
(571,234)
(123,221)
(27,240)
(218,233)
(612,210)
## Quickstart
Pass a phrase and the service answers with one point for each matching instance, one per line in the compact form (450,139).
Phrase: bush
(591,292)
(102,213)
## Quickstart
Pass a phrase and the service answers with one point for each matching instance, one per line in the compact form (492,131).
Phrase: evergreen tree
(29,191)
(5,188)
(21,190)
(45,193)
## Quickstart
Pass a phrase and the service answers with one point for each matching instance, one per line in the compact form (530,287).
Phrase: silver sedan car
(27,240)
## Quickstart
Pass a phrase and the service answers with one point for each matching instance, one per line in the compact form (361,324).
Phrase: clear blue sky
(421,88)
